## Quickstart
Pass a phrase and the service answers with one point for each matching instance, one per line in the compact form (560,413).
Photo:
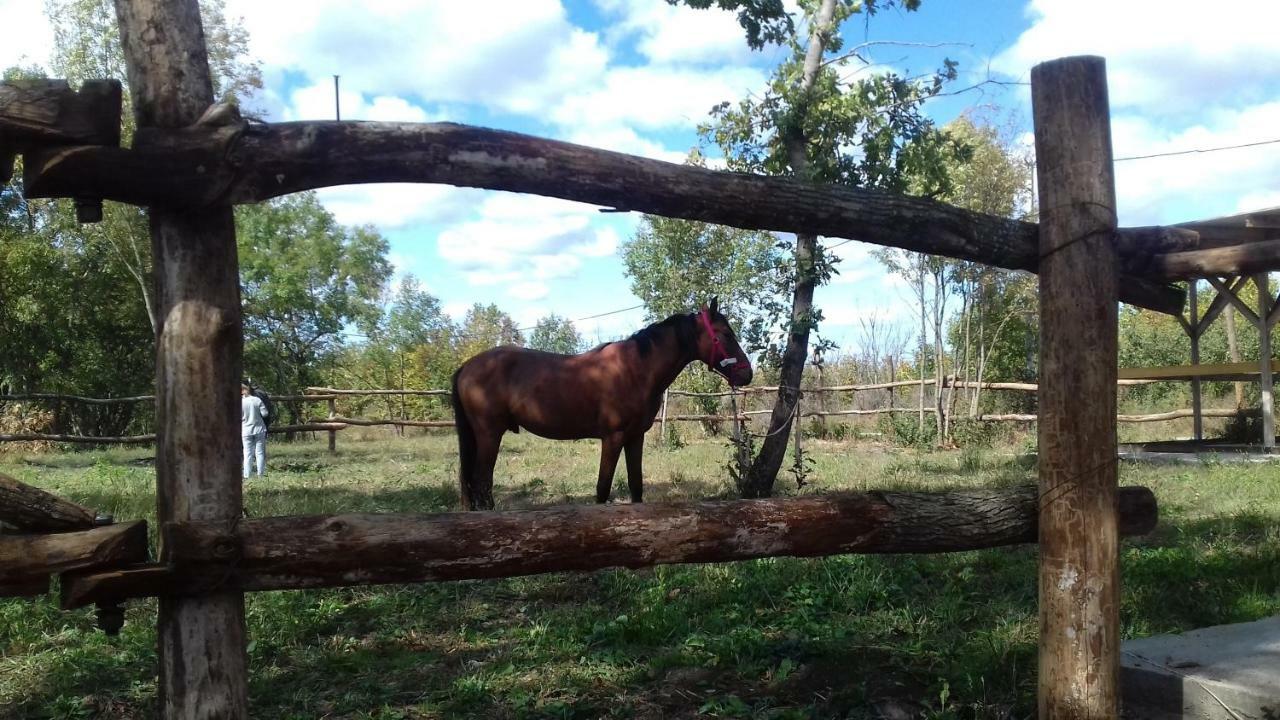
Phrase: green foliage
(904,429)
(556,334)
(484,327)
(950,634)
(304,278)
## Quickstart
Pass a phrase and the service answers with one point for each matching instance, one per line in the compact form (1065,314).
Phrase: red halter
(717,348)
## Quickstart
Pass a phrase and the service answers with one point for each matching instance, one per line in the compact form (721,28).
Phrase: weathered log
(48,112)
(203,661)
(29,586)
(1079,579)
(1216,262)
(83,439)
(344,550)
(22,556)
(17,397)
(202,165)
(41,112)
(323,391)
(374,423)
(31,509)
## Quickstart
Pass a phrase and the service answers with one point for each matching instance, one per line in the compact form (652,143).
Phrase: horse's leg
(487,445)
(610,448)
(635,476)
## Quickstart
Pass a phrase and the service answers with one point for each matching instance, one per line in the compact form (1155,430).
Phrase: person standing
(253,431)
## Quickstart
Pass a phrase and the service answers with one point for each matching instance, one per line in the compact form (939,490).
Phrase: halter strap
(717,348)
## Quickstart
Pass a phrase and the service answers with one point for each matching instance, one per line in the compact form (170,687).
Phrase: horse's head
(718,346)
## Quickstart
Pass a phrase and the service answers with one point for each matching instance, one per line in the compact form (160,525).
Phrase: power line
(1199,150)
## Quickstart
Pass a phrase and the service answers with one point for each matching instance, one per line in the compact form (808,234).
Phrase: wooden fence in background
(738,415)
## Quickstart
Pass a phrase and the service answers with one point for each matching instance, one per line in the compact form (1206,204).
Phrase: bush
(19,419)
(904,429)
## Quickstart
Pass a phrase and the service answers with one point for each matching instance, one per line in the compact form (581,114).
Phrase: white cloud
(667,33)
(315,102)
(655,97)
(25,35)
(528,291)
(524,241)
(1194,186)
(520,55)
(396,205)
(1166,56)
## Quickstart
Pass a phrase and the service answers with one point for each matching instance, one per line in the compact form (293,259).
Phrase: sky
(638,76)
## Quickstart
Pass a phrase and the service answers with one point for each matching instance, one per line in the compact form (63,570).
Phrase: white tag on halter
(728,361)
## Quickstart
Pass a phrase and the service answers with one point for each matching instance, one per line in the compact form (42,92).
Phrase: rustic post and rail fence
(189,166)
(739,417)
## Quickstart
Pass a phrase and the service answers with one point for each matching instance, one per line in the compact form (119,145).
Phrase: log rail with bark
(362,549)
(224,159)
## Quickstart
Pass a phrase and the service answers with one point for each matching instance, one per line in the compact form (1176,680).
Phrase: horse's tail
(466,444)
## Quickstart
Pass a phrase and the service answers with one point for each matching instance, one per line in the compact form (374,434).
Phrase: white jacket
(252,411)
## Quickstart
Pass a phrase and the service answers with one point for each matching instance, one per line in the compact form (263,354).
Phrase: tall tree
(484,327)
(678,265)
(805,125)
(555,334)
(87,46)
(304,279)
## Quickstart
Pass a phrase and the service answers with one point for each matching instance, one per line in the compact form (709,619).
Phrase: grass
(853,636)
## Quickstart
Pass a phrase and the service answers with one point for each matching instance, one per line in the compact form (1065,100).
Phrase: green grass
(941,636)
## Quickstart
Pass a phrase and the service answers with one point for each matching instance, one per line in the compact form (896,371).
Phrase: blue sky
(637,76)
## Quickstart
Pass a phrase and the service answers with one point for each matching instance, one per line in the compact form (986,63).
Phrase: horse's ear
(715,304)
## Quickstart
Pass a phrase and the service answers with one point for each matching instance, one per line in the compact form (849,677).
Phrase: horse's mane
(684,326)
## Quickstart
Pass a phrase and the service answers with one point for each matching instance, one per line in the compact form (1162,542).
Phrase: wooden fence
(739,414)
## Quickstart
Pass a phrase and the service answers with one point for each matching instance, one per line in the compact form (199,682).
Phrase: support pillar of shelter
(1264,359)
(1079,576)
(1193,329)
(203,662)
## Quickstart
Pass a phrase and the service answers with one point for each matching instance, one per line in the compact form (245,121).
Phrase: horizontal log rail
(237,162)
(326,392)
(78,439)
(30,509)
(362,422)
(26,559)
(363,549)
(57,397)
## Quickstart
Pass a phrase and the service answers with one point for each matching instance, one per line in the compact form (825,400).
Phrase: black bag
(266,402)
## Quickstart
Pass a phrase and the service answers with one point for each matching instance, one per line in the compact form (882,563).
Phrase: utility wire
(1199,150)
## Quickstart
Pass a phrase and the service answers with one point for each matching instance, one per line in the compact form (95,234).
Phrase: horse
(612,393)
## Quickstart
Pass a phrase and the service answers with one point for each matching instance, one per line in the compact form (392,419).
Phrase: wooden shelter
(1254,239)
(192,160)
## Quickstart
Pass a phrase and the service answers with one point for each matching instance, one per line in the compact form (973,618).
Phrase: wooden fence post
(333,434)
(203,663)
(1264,353)
(1193,329)
(1079,556)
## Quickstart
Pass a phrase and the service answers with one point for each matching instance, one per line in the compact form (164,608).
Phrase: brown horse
(612,392)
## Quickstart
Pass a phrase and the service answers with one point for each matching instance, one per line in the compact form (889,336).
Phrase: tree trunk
(764,469)
(1233,349)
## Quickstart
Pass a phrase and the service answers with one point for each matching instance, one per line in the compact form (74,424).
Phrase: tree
(87,46)
(555,334)
(676,265)
(304,279)
(484,327)
(805,125)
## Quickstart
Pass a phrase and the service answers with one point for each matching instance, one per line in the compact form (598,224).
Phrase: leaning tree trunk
(1233,348)
(765,467)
